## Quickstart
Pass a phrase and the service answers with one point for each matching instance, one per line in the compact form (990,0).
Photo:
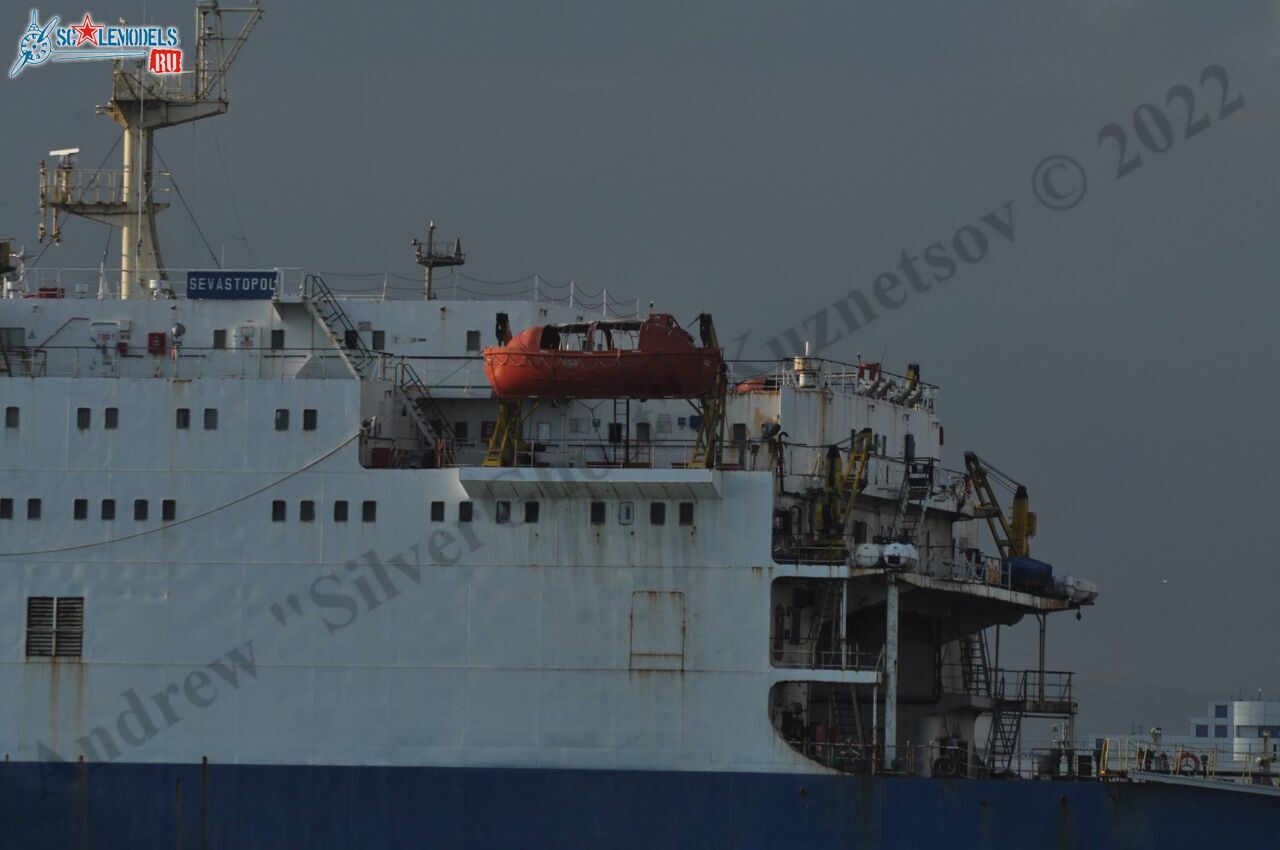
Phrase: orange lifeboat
(653,358)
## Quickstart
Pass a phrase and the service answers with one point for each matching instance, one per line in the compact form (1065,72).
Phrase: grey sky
(761,160)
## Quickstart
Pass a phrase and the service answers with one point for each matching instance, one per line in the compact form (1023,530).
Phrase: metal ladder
(973,661)
(913,498)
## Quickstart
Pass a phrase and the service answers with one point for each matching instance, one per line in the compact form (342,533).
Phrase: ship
(281,567)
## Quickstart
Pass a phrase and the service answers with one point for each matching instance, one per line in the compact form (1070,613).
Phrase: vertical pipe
(891,672)
(1043,620)
(126,226)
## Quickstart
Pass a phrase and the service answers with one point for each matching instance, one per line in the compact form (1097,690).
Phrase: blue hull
(243,806)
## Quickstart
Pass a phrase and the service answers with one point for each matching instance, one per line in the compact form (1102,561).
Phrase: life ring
(1188,758)
(946,766)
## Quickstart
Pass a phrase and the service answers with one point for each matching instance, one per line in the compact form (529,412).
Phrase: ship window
(11,417)
(220,338)
(682,422)
(340,511)
(369,511)
(1202,730)
(140,509)
(108,509)
(597,513)
(738,434)
(657,513)
(437,511)
(282,419)
(182,418)
(278,510)
(1220,710)
(211,419)
(1220,730)
(379,340)
(55,626)
(642,432)
(460,431)
(309,419)
(83,418)
(33,509)
(277,339)
(464,511)
(686,513)
(530,511)
(111,418)
(502,512)
(6,508)
(473,340)
(168,510)
(307,511)
(664,423)
(80,509)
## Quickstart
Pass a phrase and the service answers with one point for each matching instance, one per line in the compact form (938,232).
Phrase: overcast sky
(765,160)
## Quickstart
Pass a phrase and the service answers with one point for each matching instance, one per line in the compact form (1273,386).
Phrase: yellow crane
(1011,534)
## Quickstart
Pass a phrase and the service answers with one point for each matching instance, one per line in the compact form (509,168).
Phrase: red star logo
(87,31)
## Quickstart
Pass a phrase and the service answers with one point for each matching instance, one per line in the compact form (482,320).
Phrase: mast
(432,258)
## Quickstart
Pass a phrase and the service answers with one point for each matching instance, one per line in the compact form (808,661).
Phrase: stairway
(1006,729)
(410,389)
(913,499)
(826,611)
(973,661)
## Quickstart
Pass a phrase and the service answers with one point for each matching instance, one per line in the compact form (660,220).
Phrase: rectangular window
(83,418)
(1220,730)
(108,509)
(657,513)
(11,415)
(211,419)
(642,433)
(6,508)
(502,512)
(282,419)
(1202,730)
(80,509)
(309,419)
(182,418)
(220,338)
(473,340)
(464,511)
(437,511)
(277,339)
(278,510)
(460,431)
(664,423)
(686,513)
(578,425)
(531,512)
(111,418)
(307,511)
(1220,710)
(140,509)
(597,513)
(738,434)
(340,511)
(55,626)
(168,510)
(351,339)
(379,341)
(369,511)
(33,509)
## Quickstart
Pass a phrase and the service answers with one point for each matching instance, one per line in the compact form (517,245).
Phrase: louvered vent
(39,626)
(55,626)
(69,634)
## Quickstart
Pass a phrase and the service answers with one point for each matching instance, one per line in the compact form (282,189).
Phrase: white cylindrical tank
(901,556)
(867,555)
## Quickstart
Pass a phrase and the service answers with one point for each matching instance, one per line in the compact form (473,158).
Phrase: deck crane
(1011,534)
(842,484)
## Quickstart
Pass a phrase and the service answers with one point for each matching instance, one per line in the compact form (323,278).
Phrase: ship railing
(1046,692)
(185,362)
(1121,757)
(849,656)
(849,378)
(65,186)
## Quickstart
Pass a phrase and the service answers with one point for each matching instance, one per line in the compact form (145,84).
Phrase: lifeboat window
(140,509)
(6,508)
(473,340)
(80,509)
(686,513)
(309,419)
(465,511)
(83,418)
(278,510)
(369,511)
(502,512)
(282,419)
(33,509)
(108,511)
(11,417)
(111,418)
(307,511)
(340,511)
(531,512)
(182,418)
(168,510)
(597,513)
(550,338)
(657,513)
(211,419)
(437,511)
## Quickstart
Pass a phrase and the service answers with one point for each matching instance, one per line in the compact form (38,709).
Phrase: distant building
(1233,727)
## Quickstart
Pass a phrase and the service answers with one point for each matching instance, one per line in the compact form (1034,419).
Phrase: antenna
(433,258)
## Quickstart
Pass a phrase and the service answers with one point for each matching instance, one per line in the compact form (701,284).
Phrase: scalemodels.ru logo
(88,40)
